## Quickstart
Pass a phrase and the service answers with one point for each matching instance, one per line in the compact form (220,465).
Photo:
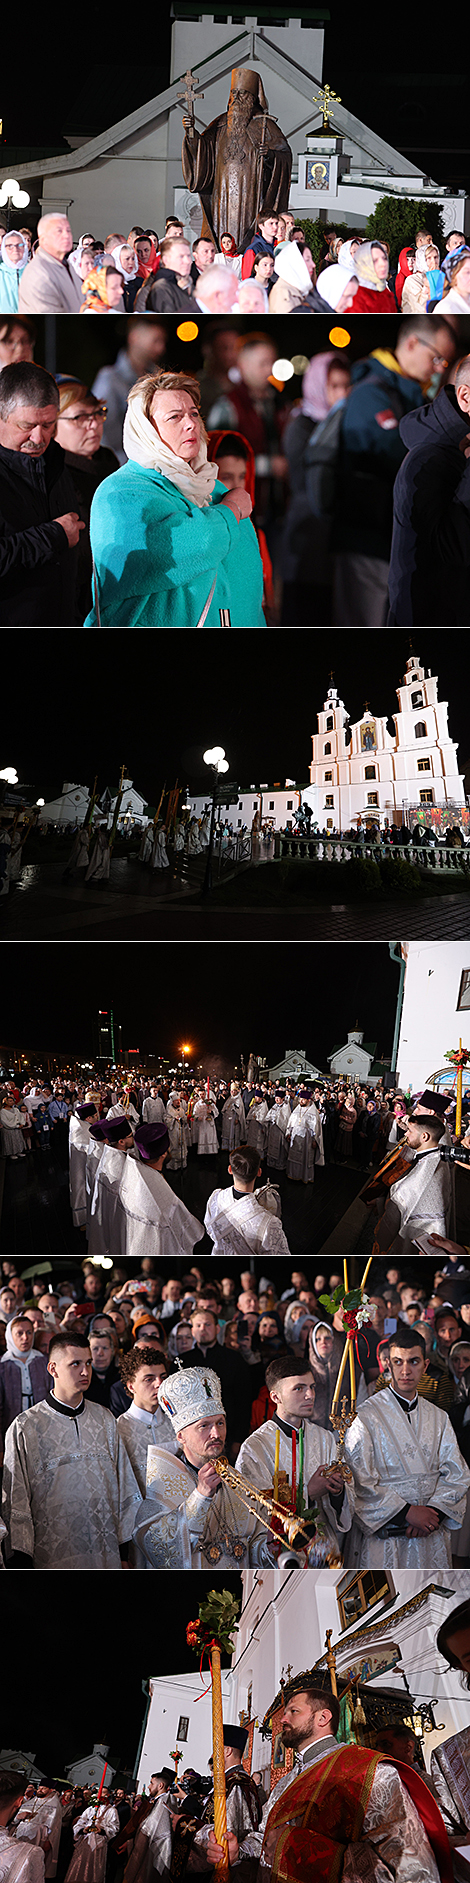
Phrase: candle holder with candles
(356,1312)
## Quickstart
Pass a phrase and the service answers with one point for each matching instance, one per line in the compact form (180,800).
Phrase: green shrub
(396,219)
(314,233)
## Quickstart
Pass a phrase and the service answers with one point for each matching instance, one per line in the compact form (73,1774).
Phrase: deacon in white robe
(241,1223)
(405,1454)
(69,1491)
(233,1121)
(92,1833)
(159,859)
(179,1132)
(423,1200)
(304,1138)
(79,1140)
(138,1430)
(256,1463)
(204,1115)
(153,1109)
(157,1222)
(276,1127)
(190,1519)
(256,1126)
(42,1824)
(94,1154)
(19,1863)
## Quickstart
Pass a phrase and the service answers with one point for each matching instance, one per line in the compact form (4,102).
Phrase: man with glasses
(386,386)
(430,560)
(40,525)
(80,431)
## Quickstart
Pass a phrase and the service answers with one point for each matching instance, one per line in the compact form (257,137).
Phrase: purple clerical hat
(116,1128)
(85,1111)
(152,1141)
(435,1101)
(98,1133)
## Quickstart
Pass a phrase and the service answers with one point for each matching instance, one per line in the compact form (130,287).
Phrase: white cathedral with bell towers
(365,773)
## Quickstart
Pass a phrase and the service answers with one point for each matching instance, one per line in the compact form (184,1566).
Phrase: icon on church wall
(317,175)
(279,1753)
(368,736)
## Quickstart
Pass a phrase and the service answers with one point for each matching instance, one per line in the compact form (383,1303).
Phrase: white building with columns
(365,773)
(383,1629)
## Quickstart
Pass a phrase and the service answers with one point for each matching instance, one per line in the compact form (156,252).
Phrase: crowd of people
(334,1795)
(274,273)
(120,1137)
(160,497)
(119,1394)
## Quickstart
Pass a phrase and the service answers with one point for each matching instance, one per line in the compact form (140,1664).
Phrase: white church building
(131,169)
(383,1632)
(365,774)
(71,805)
(435,1013)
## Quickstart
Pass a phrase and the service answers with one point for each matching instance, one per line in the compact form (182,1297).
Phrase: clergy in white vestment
(123,1108)
(312,1463)
(153,1109)
(95,1148)
(20,1862)
(276,1127)
(153,1845)
(159,859)
(179,1132)
(242,1220)
(92,1832)
(79,1139)
(304,1138)
(143,1371)
(233,1119)
(157,1222)
(69,1491)
(204,1115)
(417,1201)
(410,1479)
(190,1519)
(107,1232)
(42,1825)
(256,1123)
(100,860)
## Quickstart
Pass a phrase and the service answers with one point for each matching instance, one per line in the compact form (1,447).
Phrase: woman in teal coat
(14,258)
(171,546)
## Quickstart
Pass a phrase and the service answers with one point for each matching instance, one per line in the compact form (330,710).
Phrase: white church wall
(117,191)
(173,1699)
(431,1024)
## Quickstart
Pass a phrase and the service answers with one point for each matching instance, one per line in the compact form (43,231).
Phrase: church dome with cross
(362,773)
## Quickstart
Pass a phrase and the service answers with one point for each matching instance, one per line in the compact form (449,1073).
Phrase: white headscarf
(143,446)
(17,266)
(291,267)
(116,255)
(345,259)
(333,281)
(23,1360)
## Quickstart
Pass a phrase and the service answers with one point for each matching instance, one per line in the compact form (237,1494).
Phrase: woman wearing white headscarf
(24,1378)
(14,257)
(336,288)
(172,547)
(293,282)
(127,263)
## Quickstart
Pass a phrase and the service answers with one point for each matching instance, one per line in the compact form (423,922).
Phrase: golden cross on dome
(325,99)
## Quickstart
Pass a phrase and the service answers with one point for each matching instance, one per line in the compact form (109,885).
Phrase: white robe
(140,1429)
(69,1491)
(423,1200)
(100,860)
(19,1863)
(256,1127)
(93,1159)
(159,859)
(241,1225)
(393,1842)
(256,1463)
(108,1222)
(93,1829)
(276,1143)
(304,1138)
(233,1123)
(79,1139)
(396,1462)
(177,1528)
(179,1133)
(157,1223)
(158,1829)
(204,1116)
(153,1111)
(45,1824)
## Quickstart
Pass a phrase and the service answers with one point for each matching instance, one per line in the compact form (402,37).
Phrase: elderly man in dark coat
(39,522)
(240,164)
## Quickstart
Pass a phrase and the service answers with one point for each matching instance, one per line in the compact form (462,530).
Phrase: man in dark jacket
(236,1377)
(39,525)
(386,386)
(429,580)
(169,291)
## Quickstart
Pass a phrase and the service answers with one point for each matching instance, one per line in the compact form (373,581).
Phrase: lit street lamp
(218,763)
(12,197)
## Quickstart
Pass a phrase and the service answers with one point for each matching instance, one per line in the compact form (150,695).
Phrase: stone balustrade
(429,857)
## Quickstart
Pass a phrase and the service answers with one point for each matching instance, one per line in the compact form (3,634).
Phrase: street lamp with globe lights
(12,197)
(215,758)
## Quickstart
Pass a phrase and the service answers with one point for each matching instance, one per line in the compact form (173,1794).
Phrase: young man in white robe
(418,1202)
(92,1832)
(304,1138)
(143,1371)
(20,1862)
(69,1492)
(410,1478)
(243,1220)
(256,1123)
(157,1222)
(276,1127)
(153,1109)
(40,1823)
(233,1119)
(179,1132)
(291,1387)
(79,1140)
(190,1519)
(107,1232)
(205,1135)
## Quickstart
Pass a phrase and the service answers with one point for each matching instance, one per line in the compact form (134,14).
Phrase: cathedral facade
(365,774)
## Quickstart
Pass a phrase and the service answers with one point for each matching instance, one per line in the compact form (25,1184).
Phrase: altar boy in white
(243,1220)
(410,1478)
(291,1387)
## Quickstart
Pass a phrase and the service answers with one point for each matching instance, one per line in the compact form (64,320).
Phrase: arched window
(417,699)
(420,730)
(327,750)
(329,724)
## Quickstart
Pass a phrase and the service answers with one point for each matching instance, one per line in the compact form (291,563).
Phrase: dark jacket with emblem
(371,452)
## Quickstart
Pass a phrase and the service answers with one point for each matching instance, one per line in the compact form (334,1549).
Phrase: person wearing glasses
(392,382)
(79,431)
(430,555)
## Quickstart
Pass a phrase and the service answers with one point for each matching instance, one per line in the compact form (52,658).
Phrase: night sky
(411,89)
(221,999)
(102,1638)
(157,701)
